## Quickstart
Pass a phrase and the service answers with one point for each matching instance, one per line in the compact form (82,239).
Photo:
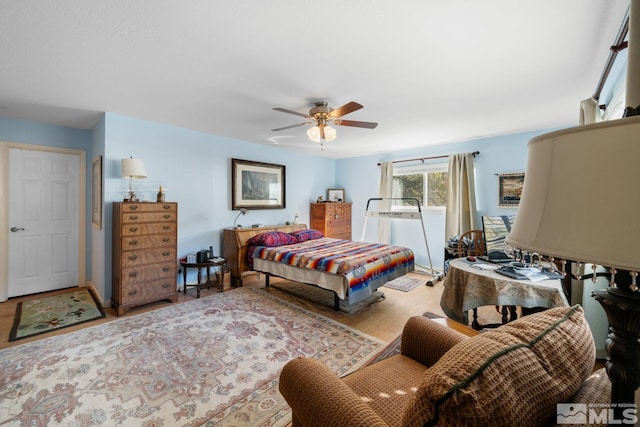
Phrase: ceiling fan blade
(284,110)
(355,123)
(293,126)
(345,109)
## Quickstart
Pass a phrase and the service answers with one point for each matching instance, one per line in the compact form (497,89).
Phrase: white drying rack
(435,276)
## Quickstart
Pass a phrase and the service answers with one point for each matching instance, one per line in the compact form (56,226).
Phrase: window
(427,183)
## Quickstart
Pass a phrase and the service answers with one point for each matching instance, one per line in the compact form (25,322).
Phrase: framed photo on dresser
(335,195)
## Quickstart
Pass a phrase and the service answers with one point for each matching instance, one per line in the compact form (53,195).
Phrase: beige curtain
(461,211)
(385,190)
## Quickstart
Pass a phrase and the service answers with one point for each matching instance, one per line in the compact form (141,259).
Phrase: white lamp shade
(581,193)
(314,133)
(133,168)
(329,133)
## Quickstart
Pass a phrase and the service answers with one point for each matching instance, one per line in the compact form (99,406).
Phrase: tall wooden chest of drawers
(333,219)
(145,238)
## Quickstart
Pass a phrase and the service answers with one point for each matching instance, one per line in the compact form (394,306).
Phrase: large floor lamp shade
(580,203)
(132,169)
(579,200)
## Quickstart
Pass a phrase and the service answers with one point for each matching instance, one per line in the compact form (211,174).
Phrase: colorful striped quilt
(365,266)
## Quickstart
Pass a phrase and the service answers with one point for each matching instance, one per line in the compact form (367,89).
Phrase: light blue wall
(36,133)
(27,132)
(99,236)
(360,177)
(194,169)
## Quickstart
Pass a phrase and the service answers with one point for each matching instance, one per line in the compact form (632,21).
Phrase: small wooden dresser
(145,236)
(333,219)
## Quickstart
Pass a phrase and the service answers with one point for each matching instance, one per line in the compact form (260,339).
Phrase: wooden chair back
(472,243)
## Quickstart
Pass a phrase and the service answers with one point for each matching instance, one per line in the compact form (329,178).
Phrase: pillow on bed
(272,238)
(304,235)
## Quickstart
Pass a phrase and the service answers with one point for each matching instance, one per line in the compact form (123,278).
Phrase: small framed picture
(335,195)
(510,189)
(96,192)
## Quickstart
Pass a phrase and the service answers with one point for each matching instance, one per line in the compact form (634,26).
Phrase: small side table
(217,262)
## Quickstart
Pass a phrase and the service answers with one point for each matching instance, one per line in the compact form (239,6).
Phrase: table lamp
(132,169)
(243,211)
(580,204)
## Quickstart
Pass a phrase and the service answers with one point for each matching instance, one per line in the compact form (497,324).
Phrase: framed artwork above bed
(257,185)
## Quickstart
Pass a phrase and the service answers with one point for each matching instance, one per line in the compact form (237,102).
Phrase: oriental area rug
(213,361)
(46,314)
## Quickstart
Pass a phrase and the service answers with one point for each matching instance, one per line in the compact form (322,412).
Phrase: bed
(351,270)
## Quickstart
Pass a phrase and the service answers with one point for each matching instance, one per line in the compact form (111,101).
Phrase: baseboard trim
(104,304)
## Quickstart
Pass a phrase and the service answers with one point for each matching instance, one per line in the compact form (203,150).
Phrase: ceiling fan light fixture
(322,115)
(314,133)
(329,133)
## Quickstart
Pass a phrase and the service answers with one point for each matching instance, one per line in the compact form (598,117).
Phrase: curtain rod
(422,159)
(619,45)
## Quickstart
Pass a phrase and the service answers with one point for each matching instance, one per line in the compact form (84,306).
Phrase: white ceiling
(429,72)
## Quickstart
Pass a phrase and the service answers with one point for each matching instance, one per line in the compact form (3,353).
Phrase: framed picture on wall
(335,195)
(96,192)
(257,185)
(510,189)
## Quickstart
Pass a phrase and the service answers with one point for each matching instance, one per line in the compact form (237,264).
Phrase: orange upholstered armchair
(513,375)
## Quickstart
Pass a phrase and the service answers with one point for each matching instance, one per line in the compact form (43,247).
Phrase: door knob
(14,229)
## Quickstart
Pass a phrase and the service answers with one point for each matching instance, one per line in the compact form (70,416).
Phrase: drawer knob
(132,292)
(133,217)
(166,253)
(133,257)
(166,239)
(166,207)
(133,274)
(165,269)
(166,216)
(165,227)
(133,229)
(166,285)
(133,242)
(133,207)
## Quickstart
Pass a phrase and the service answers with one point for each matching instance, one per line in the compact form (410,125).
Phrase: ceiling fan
(322,116)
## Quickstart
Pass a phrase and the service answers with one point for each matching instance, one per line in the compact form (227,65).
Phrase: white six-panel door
(43,221)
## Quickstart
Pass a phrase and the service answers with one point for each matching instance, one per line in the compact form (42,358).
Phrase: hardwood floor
(384,319)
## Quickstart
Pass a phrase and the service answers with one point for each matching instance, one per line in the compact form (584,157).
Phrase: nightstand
(219,276)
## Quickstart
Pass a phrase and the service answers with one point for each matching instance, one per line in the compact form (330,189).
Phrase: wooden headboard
(234,246)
